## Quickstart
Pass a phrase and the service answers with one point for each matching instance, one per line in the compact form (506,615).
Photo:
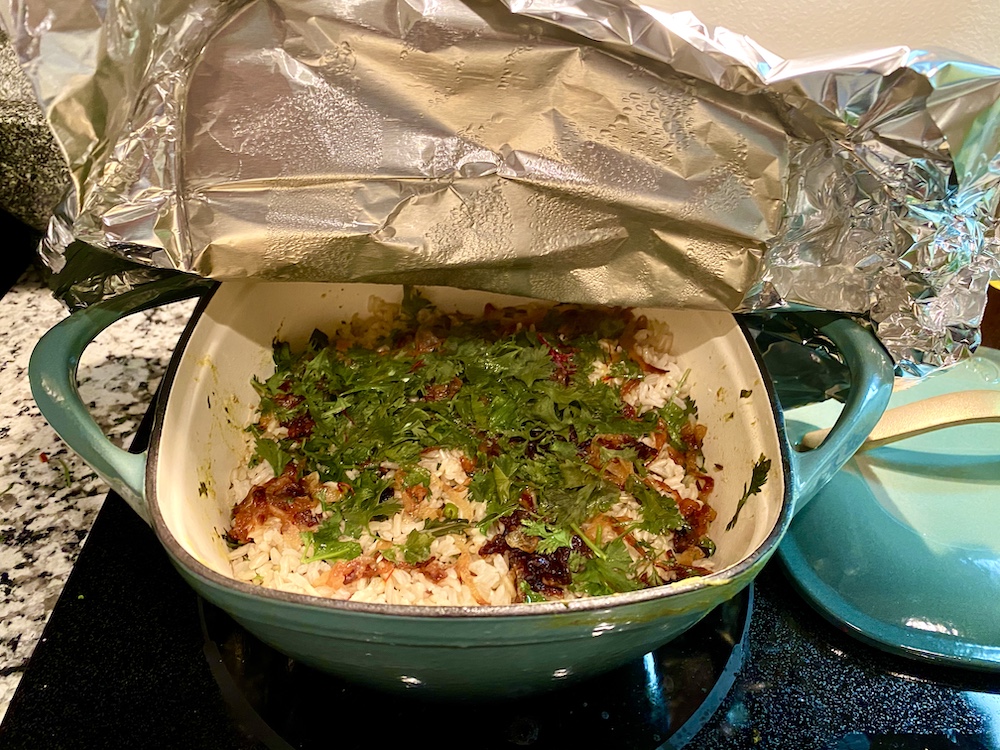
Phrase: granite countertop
(48,496)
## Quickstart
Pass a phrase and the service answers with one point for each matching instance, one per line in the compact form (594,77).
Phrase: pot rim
(587,604)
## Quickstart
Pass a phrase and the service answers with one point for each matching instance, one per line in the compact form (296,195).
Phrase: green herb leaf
(318,340)
(370,498)
(570,492)
(659,512)
(413,302)
(707,546)
(326,543)
(528,594)
(347,550)
(417,547)
(494,487)
(270,451)
(757,480)
(447,526)
(675,418)
(282,353)
(550,538)
(607,574)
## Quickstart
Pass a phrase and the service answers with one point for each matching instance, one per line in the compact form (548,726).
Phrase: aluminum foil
(583,150)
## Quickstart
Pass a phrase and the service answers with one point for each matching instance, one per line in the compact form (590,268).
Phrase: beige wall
(800,28)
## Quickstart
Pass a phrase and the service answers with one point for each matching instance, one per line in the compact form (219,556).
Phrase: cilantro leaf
(270,451)
(413,302)
(570,492)
(550,538)
(326,544)
(369,498)
(318,341)
(496,489)
(417,547)
(282,353)
(606,573)
(675,418)
(757,480)
(659,512)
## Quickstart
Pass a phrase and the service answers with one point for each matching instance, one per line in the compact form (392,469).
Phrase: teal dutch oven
(181,487)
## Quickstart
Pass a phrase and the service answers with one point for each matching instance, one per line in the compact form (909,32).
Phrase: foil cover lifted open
(583,150)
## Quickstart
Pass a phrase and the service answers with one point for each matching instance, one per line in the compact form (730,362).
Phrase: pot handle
(871,385)
(52,372)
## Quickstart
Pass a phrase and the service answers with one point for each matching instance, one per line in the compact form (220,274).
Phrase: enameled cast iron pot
(180,487)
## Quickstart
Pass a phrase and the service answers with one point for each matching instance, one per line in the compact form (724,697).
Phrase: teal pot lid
(902,547)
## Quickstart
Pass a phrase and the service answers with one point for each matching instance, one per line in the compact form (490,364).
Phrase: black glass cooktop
(131,657)
(665,695)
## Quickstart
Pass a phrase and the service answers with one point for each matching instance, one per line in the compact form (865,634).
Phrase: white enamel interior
(211,400)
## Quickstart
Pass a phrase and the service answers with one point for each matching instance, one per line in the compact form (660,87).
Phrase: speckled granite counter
(48,496)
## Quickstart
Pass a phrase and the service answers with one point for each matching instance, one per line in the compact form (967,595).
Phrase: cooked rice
(274,558)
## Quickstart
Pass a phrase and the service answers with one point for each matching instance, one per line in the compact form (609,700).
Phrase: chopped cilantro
(369,498)
(675,418)
(326,544)
(413,302)
(628,455)
(604,574)
(318,340)
(528,594)
(574,492)
(550,538)
(494,487)
(417,547)
(270,451)
(757,480)
(659,512)
(514,397)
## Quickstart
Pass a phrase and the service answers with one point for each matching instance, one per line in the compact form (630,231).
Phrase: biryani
(530,453)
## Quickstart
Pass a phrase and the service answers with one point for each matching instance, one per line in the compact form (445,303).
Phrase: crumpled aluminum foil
(583,150)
